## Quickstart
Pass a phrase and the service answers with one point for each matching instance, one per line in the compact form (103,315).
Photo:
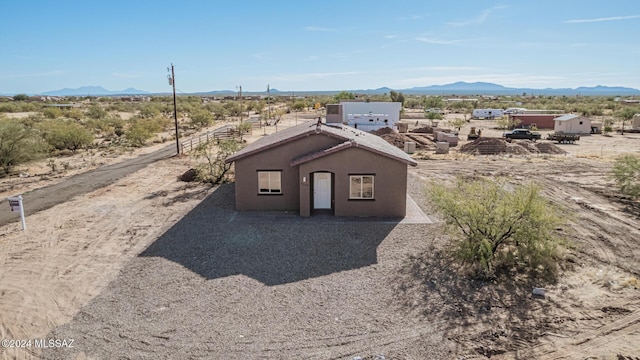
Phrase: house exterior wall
(573,126)
(277,158)
(390,183)
(635,124)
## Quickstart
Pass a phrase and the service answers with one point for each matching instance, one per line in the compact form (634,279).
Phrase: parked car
(522,134)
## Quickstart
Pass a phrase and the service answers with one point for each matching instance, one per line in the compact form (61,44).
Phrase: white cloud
(437,41)
(318,28)
(614,18)
(391,36)
(311,58)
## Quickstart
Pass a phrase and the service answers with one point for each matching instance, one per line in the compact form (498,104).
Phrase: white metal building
(370,116)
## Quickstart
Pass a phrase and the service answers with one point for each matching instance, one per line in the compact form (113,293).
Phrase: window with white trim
(361,187)
(269,182)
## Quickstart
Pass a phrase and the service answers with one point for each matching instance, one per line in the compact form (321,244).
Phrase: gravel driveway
(227,285)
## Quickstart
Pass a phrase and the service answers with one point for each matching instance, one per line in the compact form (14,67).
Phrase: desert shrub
(232,108)
(201,118)
(18,144)
(66,135)
(74,113)
(8,108)
(432,115)
(96,112)
(142,129)
(151,110)
(495,228)
(138,134)
(213,169)
(299,105)
(110,124)
(52,113)
(218,111)
(626,174)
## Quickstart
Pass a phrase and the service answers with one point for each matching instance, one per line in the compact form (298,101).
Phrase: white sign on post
(15,203)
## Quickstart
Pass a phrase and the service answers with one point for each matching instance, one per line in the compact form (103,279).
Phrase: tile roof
(352,138)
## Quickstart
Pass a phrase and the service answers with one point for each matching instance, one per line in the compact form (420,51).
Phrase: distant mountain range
(93,91)
(462,88)
(458,88)
(484,88)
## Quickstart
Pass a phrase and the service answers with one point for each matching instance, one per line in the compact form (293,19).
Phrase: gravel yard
(217,285)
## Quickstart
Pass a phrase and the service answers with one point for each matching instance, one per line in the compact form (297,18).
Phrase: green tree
(507,122)
(21,97)
(498,228)
(626,174)
(431,102)
(66,135)
(18,144)
(626,114)
(397,97)
(344,95)
(213,169)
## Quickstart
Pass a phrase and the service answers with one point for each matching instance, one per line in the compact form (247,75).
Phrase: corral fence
(223,133)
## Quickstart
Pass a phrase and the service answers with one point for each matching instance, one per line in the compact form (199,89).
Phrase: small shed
(572,124)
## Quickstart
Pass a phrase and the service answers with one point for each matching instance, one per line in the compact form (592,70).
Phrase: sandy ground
(71,251)
(77,273)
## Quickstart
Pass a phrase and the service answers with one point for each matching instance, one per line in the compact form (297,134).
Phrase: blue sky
(316,45)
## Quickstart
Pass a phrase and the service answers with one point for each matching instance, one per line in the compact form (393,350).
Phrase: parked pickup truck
(522,134)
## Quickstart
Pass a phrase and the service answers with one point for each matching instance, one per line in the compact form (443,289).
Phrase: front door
(322,190)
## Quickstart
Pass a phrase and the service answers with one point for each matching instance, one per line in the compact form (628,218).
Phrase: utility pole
(240,103)
(172,81)
(268,103)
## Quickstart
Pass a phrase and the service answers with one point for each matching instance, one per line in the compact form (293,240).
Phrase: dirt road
(48,196)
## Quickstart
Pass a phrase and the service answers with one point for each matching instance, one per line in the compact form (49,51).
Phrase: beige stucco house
(572,124)
(315,167)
